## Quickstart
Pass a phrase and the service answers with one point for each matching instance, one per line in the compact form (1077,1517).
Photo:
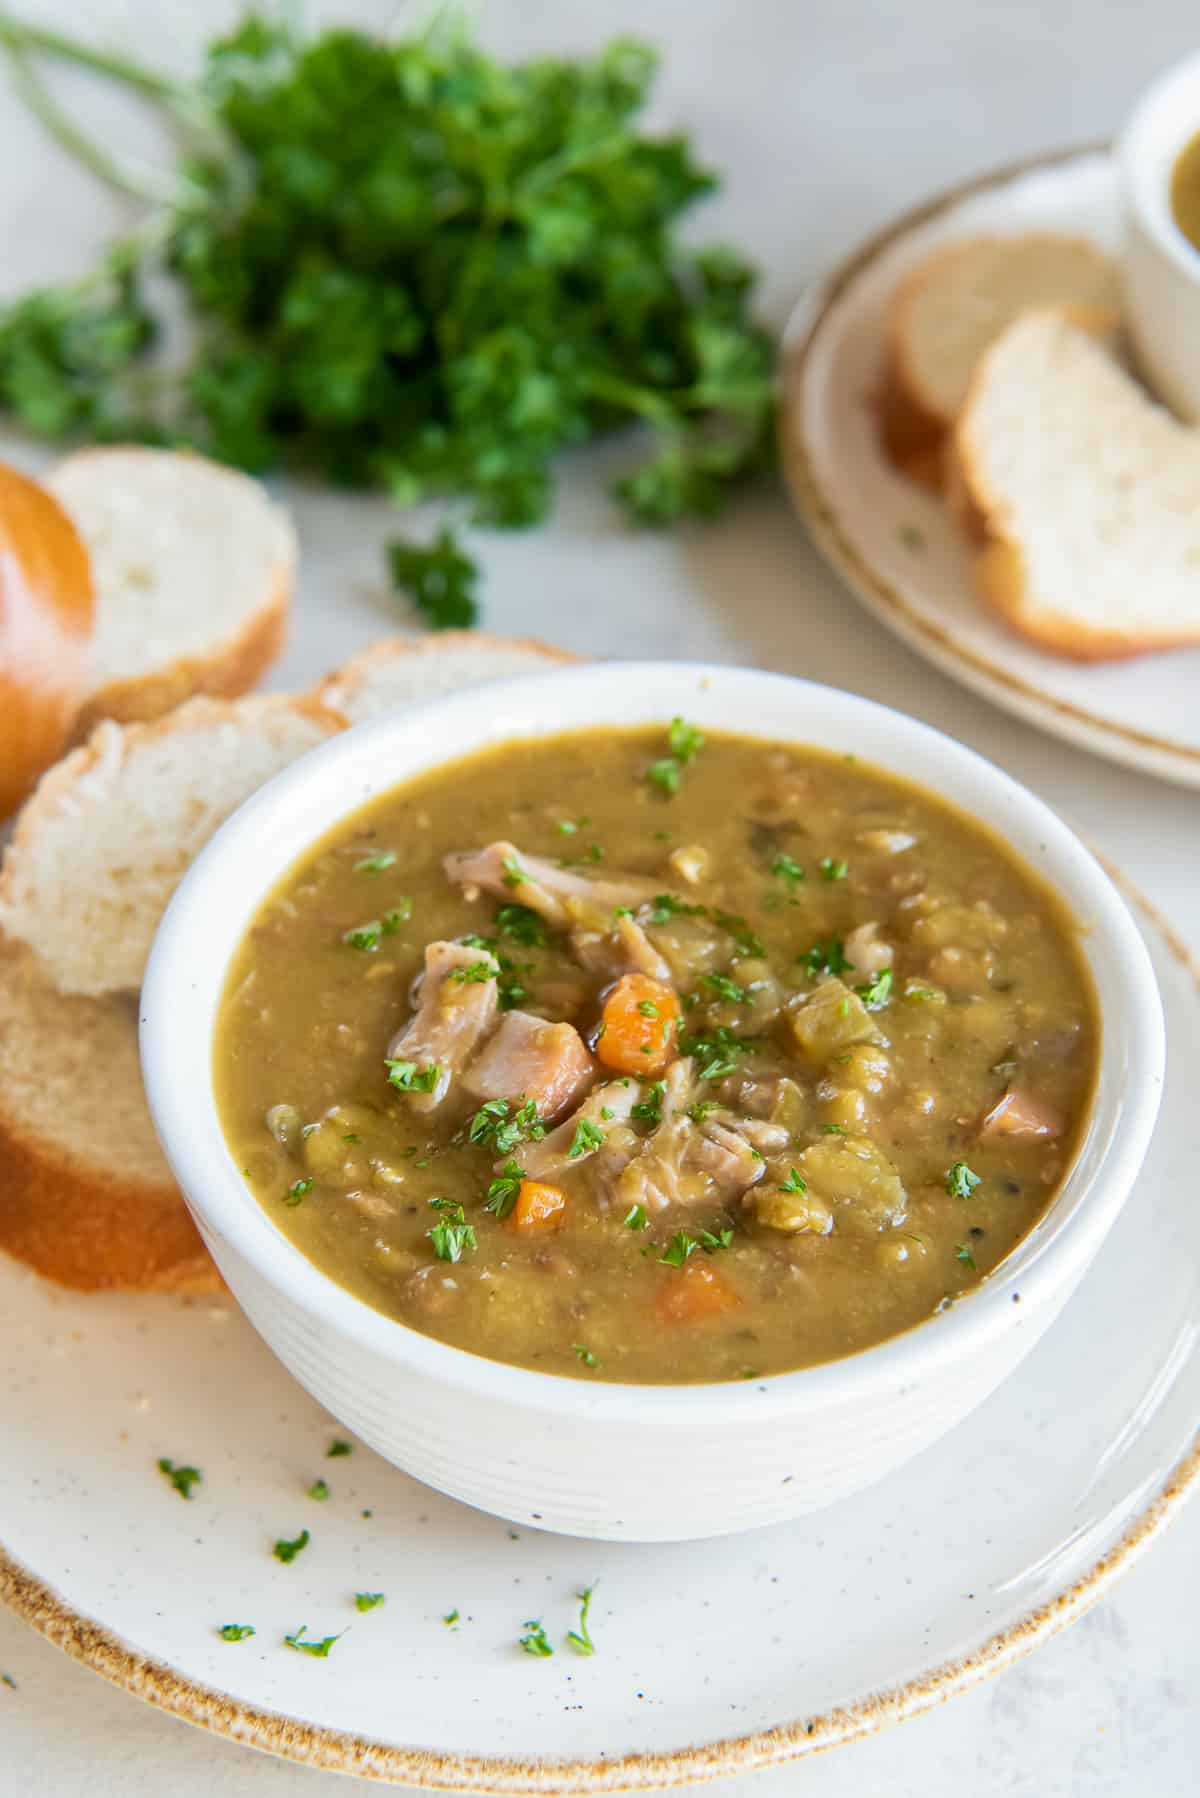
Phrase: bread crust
(349,676)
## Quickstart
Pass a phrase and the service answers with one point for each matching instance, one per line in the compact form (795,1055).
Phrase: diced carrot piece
(638,1025)
(697,1291)
(539,1208)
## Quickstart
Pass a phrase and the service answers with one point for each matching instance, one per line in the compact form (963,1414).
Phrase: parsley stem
(20,34)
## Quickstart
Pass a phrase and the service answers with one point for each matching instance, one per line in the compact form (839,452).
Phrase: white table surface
(827,116)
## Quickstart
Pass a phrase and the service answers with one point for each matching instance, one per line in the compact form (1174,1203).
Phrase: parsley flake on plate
(580,1639)
(368,1601)
(318,1648)
(182,1478)
(535,1641)
(319,1490)
(286,1551)
(337,1448)
(235,1632)
(451,1618)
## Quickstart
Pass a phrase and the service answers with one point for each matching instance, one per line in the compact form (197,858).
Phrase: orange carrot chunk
(539,1207)
(697,1291)
(638,1024)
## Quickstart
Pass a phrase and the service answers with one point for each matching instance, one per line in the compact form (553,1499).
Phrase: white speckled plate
(895,543)
(709,1659)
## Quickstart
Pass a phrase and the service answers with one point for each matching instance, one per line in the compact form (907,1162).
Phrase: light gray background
(827,117)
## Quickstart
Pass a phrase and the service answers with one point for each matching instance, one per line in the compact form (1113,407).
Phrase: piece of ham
(1020,1113)
(606,1106)
(527,1058)
(686,1162)
(452,1017)
(625,949)
(552,892)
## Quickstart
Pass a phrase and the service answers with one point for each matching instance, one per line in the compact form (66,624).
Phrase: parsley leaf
(503,1124)
(440,579)
(585,1355)
(685,740)
(298,1190)
(580,1639)
(235,1632)
(960,1181)
(787,870)
(182,1478)
(649,1109)
(793,1183)
(877,992)
(451,1618)
(287,1551)
(831,869)
(724,987)
(535,1641)
(409,1078)
(963,1253)
(375,864)
(681,1245)
(587,1138)
(336,1448)
(665,774)
(319,1490)
(716,1054)
(665,906)
(502,1193)
(635,1218)
(452,1235)
(522,925)
(320,1649)
(368,1601)
(473,973)
(827,958)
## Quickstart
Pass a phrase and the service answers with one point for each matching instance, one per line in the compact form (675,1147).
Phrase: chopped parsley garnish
(790,872)
(877,992)
(960,1181)
(712,1240)
(474,973)
(534,1640)
(827,958)
(665,774)
(579,1638)
(521,925)
(235,1632)
(716,1054)
(452,1235)
(502,1193)
(451,1618)
(962,1253)
(367,1601)
(724,987)
(337,1447)
(498,1124)
(568,826)
(320,1649)
(595,853)
(665,906)
(298,1190)
(685,740)
(649,1109)
(679,1248)
(400,914)
(587,1137)
(833,1129)
(832,870)
(703,1108)
(635,1218)
(287,1551)
(319,1490)
(409,1077)
(375,864)
(647,1008)
(182,1478)
(513,873)
(585,1355)
(367,936)
(793,1183)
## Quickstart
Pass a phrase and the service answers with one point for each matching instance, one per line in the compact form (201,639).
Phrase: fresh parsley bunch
(409,267)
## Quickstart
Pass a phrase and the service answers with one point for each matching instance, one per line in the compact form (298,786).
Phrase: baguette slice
(111,829)
(1087,494)
(193,568)
(86,1197)
(400,672)
(949,308)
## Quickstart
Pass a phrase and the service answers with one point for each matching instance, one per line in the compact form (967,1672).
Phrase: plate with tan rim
(709,1658)
(894,542)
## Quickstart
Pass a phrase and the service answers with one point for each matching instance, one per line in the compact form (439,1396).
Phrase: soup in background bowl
(668,1436)
(660,1055)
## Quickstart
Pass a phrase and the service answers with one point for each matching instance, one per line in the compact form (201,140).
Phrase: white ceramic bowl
(1162,269)
(590,1458)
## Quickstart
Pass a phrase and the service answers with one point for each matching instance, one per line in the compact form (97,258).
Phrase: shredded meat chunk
(543,1160)
(623,949)
(502,869)
(452,1017)
(686,1162)
(528,1057)
(1020,1113)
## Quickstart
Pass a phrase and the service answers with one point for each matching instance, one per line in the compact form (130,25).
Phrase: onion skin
(47,605)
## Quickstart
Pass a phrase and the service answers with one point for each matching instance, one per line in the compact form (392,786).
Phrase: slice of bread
(193,568)
(1087,494)
(86,1196)
(949,308)
(406,671)
(110,830)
